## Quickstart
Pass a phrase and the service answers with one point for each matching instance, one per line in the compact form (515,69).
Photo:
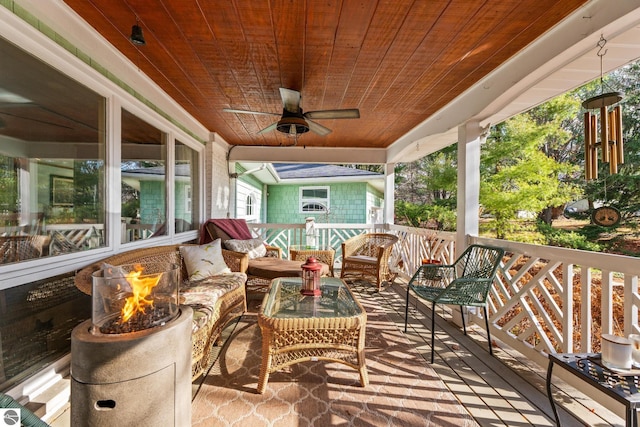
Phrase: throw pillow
(204,260)
(254,247)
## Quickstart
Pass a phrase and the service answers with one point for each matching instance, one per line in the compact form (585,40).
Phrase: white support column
(233,188)
(389,193)
(207,179)
(217,180)
(470,137)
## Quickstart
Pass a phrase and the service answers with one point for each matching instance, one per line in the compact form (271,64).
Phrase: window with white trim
(314,199)
(250,206)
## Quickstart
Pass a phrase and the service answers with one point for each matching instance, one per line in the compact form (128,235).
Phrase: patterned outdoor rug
(403,390)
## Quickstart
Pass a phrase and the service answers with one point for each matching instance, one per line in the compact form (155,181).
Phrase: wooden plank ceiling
(397,61)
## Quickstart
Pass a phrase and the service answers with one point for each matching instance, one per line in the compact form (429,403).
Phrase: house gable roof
(316,170)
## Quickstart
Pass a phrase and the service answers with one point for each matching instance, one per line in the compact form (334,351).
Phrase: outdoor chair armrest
(236,261)
(274,251)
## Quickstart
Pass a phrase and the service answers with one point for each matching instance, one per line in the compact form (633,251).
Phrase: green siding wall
(348,204)
(152,202)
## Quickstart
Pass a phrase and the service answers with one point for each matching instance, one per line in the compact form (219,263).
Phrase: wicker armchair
(466,282)
(367,255)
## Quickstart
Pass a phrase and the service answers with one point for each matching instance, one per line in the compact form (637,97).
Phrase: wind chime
(610,144)
(610,132)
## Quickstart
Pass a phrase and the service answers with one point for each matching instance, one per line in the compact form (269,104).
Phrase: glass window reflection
(52,157)
(186,188)
(143,185)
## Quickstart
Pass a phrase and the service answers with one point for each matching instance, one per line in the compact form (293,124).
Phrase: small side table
(620,385)
(322,254)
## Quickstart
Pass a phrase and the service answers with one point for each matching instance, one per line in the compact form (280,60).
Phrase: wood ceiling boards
(397,61)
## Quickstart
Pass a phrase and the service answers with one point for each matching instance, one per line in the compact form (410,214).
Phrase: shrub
(569,239)
(425,216)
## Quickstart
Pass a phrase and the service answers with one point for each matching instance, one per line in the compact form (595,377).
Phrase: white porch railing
(418,244)
(546,299)
(325,235)
(550,299)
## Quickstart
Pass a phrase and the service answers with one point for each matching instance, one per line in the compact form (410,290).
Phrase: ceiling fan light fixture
(294,121)
(292,125)
(136,35)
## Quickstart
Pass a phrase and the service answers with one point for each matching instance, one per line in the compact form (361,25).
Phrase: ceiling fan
(294,121)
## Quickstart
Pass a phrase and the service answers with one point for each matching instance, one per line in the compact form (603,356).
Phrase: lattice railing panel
(548,299)
(416,244)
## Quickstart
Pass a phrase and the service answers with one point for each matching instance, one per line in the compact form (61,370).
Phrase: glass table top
(285,300)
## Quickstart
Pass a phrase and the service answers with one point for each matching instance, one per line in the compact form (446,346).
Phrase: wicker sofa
(215,300)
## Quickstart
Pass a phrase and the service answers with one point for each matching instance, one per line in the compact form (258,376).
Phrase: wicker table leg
(265,366)
(364,376)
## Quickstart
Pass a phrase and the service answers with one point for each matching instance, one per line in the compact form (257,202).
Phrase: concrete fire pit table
(298,328)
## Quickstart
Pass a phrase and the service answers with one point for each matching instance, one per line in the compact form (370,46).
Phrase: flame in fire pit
(141,288)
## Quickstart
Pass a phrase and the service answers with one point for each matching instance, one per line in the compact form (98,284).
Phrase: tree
(517,175)
(440,174)
(88,176)
(8,185)
(409,186)
(561,117)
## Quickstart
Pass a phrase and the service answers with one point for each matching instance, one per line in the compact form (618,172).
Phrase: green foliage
(535,162)
(516,173)
(569,239)
(425,216)
(8,185)
(432,179)
(440,173)
(87,199)
(130,208)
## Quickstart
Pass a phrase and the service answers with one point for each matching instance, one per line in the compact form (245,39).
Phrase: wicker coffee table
(297,328)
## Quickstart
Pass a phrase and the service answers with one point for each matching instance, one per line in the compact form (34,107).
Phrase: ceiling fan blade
(269,128)
(231,110)
(290,99)
(318,128)
(352,113)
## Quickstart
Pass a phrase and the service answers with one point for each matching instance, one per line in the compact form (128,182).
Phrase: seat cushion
(272,268)
(362,259)
(204,296)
